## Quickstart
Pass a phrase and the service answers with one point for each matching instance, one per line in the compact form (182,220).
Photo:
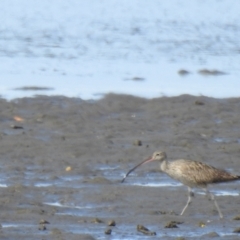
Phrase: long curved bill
(143,162)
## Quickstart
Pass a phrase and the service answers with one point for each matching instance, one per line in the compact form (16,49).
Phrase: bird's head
(157,156)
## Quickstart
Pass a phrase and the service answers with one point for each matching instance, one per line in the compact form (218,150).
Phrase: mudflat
(63,159)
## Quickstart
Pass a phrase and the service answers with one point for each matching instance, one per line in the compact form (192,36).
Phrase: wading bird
(193,174)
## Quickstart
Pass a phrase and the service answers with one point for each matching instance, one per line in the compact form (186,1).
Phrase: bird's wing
(201,173)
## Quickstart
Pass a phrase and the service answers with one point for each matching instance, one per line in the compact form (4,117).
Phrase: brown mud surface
(62,161)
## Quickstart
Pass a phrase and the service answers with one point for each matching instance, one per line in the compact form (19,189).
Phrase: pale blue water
(87,49)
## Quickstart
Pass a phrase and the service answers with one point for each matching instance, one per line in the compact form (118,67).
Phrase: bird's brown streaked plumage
(197,174)
(190,173)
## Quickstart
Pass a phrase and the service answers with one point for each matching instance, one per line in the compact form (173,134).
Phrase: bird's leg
(190,195)
(215,202)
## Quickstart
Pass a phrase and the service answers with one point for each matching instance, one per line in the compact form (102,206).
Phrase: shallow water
(138,52)
(72,207)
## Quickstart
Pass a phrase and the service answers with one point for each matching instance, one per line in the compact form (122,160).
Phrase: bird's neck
(163,165)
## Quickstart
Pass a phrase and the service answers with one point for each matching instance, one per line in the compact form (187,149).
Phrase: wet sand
(62,163)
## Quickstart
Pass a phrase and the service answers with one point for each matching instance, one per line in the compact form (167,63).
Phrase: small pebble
(108,231)
(137,143)
(145,230)
(237,230)
(201,224)
(96,220)
(68,169)
(18,119)
(183,72)
(171,224)
(42,221)
(16,127)
(42,227)
(111,223)
(200,103)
